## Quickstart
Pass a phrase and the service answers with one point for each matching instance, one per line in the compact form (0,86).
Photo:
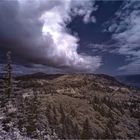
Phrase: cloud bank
(36,30)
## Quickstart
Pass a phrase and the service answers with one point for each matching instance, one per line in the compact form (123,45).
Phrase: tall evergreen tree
(8,76)
(10,110)
(86,133)
(32,112)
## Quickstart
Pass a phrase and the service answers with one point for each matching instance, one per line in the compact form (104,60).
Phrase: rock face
(78,106)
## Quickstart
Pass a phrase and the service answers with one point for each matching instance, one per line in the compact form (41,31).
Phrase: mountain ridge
(131,80)
(73,104)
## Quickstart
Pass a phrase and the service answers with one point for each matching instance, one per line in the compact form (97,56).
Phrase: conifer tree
(10,110)
(8,76)
(86,133)
(32,111)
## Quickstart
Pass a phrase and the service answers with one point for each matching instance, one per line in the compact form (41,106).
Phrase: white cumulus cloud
(36,30)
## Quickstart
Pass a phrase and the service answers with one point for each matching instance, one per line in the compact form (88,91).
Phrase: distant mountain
(45,76)
(1,75)
(38,75)
(131,80)
(14,75)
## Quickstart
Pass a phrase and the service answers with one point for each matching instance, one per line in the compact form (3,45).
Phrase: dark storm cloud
(36,30)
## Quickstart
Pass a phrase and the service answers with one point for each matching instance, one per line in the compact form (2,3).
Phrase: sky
(71,36)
